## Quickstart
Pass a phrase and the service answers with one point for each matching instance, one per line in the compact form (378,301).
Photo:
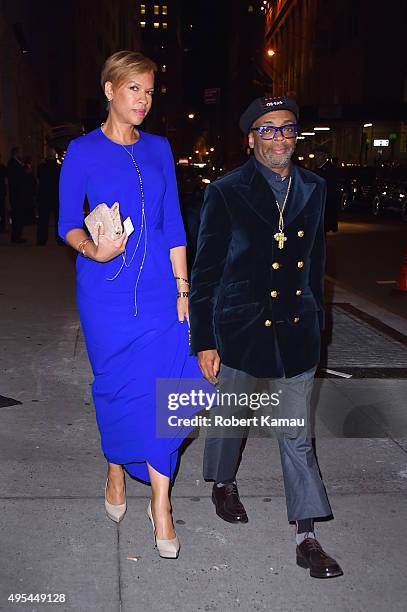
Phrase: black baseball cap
(261,106)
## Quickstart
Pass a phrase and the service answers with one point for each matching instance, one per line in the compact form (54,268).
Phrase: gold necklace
(279,236)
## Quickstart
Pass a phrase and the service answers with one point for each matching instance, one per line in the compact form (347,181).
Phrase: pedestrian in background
(332,174)
(29,192)
(132,292)
(16,178)
(48,173)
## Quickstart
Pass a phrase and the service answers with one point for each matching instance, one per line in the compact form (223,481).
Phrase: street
(55,537)
(366,255)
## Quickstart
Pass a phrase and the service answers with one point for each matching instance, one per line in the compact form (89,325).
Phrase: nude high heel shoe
(114,511)
(167,549)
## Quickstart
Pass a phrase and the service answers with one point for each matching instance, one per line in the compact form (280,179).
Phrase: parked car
(358,187)
(391,192)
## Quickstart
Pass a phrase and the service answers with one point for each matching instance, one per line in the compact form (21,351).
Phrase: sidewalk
(55,537)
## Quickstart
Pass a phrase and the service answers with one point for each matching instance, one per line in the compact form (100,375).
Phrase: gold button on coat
(300,233)
(296,319)
(275,265)
(298,292)
(267,323)
(300,264)
(274,294)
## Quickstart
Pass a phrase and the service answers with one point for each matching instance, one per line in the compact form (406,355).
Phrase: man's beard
(280,160)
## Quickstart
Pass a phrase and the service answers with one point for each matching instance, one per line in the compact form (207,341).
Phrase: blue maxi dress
(128,309)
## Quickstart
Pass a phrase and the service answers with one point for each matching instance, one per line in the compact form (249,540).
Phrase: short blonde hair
(119,66)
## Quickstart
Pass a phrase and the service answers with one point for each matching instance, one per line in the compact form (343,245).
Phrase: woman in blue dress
(132,293)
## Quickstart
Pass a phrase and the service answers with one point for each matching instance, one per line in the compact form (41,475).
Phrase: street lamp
(270,52)
(191,116)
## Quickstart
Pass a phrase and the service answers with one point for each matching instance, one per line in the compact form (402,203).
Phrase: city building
(52,55)
(159,22)
(345,63)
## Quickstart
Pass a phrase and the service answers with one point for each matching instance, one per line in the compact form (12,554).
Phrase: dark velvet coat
(246,293)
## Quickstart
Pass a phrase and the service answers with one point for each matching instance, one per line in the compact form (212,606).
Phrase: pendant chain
(281,210)
(143,230)
(279,236)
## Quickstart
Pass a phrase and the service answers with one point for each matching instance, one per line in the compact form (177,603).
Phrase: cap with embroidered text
(261,106)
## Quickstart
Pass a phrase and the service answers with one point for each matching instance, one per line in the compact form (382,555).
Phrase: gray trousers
(305,493)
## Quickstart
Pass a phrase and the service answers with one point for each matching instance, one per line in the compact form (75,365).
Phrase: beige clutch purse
(109,217)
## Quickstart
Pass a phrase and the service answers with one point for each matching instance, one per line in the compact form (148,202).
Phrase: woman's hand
(107,249)
(182,309)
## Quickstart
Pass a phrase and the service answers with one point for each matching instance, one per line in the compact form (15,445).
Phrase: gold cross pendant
(280,238)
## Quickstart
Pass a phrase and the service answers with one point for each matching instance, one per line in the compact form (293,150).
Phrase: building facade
(344,61)
(52,55)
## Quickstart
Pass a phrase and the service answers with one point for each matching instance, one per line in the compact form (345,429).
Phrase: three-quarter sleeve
(72,191)
(173,226)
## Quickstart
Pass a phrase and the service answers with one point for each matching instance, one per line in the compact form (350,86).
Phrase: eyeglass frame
(276,129)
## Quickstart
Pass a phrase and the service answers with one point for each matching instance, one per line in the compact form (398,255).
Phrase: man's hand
(209,362)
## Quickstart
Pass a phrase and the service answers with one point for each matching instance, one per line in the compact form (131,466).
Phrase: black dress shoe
(228,505)
(311,556)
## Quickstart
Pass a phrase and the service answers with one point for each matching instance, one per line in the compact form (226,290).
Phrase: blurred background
(344,62)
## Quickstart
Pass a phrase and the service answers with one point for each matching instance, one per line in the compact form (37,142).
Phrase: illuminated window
(156,9)
(142,24)
(163,89)
(164,25)
(156,25)
(163,68)
(250,8)
(143,9)
(164,10)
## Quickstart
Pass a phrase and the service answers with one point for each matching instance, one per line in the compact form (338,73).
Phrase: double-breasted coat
(247,295)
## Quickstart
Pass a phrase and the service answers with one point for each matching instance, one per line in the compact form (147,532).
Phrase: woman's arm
(178,258)
(174,232)
(72,191)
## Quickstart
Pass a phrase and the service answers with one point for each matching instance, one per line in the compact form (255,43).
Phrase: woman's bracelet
(81,246)
(185,280)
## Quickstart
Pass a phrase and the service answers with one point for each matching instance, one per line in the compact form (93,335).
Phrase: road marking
(336,373)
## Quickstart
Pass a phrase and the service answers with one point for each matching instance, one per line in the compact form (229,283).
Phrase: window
(142,24)
(156,25)
(143,9)
(156,9)
(164,25)
(250,8)
(164,68)
(164,10)
(163,89)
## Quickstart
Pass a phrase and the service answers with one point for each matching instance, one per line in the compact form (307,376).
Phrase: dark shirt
(279,185)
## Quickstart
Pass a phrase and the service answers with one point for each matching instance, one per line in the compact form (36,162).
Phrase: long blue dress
(128,309)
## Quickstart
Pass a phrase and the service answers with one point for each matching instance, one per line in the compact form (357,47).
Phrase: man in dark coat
(331,172)
(16,179)
(48,196)
(257,311)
